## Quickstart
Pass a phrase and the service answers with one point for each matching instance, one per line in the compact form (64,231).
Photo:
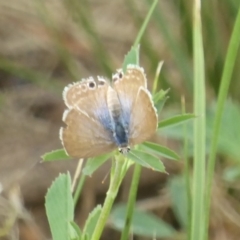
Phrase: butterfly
(103,116)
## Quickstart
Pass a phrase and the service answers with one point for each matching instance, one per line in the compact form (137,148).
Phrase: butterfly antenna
(104,179)
(77,174)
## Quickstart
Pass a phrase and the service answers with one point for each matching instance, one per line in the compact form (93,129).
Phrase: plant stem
(116,178)
(79,189)
(187,173)
(144,25)
(131,201)
(198,218)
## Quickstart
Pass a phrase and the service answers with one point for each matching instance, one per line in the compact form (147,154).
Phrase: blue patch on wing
(121,137)
(115,128)
(103,115)
(126,105)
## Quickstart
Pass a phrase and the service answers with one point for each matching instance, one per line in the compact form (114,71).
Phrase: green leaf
(231,174)
(156,79)
(94,163)
(146,160)
(76,233)
(160,150)
(55,155)
(177,189)
(159,99)
(91,222)
(85,237)
(132,57)
(60,208)
(143,224)
(160,96)
(175,120)
(229,137)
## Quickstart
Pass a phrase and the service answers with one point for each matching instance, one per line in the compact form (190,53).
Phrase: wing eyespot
(92,85)
(101,83)
(118,75)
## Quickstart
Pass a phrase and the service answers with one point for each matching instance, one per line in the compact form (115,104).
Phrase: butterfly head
(124,149)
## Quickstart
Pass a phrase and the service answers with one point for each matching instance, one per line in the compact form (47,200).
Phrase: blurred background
(44,45)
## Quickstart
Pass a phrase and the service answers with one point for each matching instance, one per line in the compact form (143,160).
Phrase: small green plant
(145,155)
(191,210)
(59,199)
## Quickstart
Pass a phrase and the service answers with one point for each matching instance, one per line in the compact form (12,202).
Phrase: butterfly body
(102,117)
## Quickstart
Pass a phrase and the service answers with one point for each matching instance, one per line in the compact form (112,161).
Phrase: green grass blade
(131,201)
(197,226)
(179,54)
(144,25)
(187,174)
(133,55)
(225,82)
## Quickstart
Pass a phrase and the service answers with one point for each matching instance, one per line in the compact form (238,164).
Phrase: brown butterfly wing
(88,130)
(88,95)
(144,118)
(84,137)
(127,85)
(138,110)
